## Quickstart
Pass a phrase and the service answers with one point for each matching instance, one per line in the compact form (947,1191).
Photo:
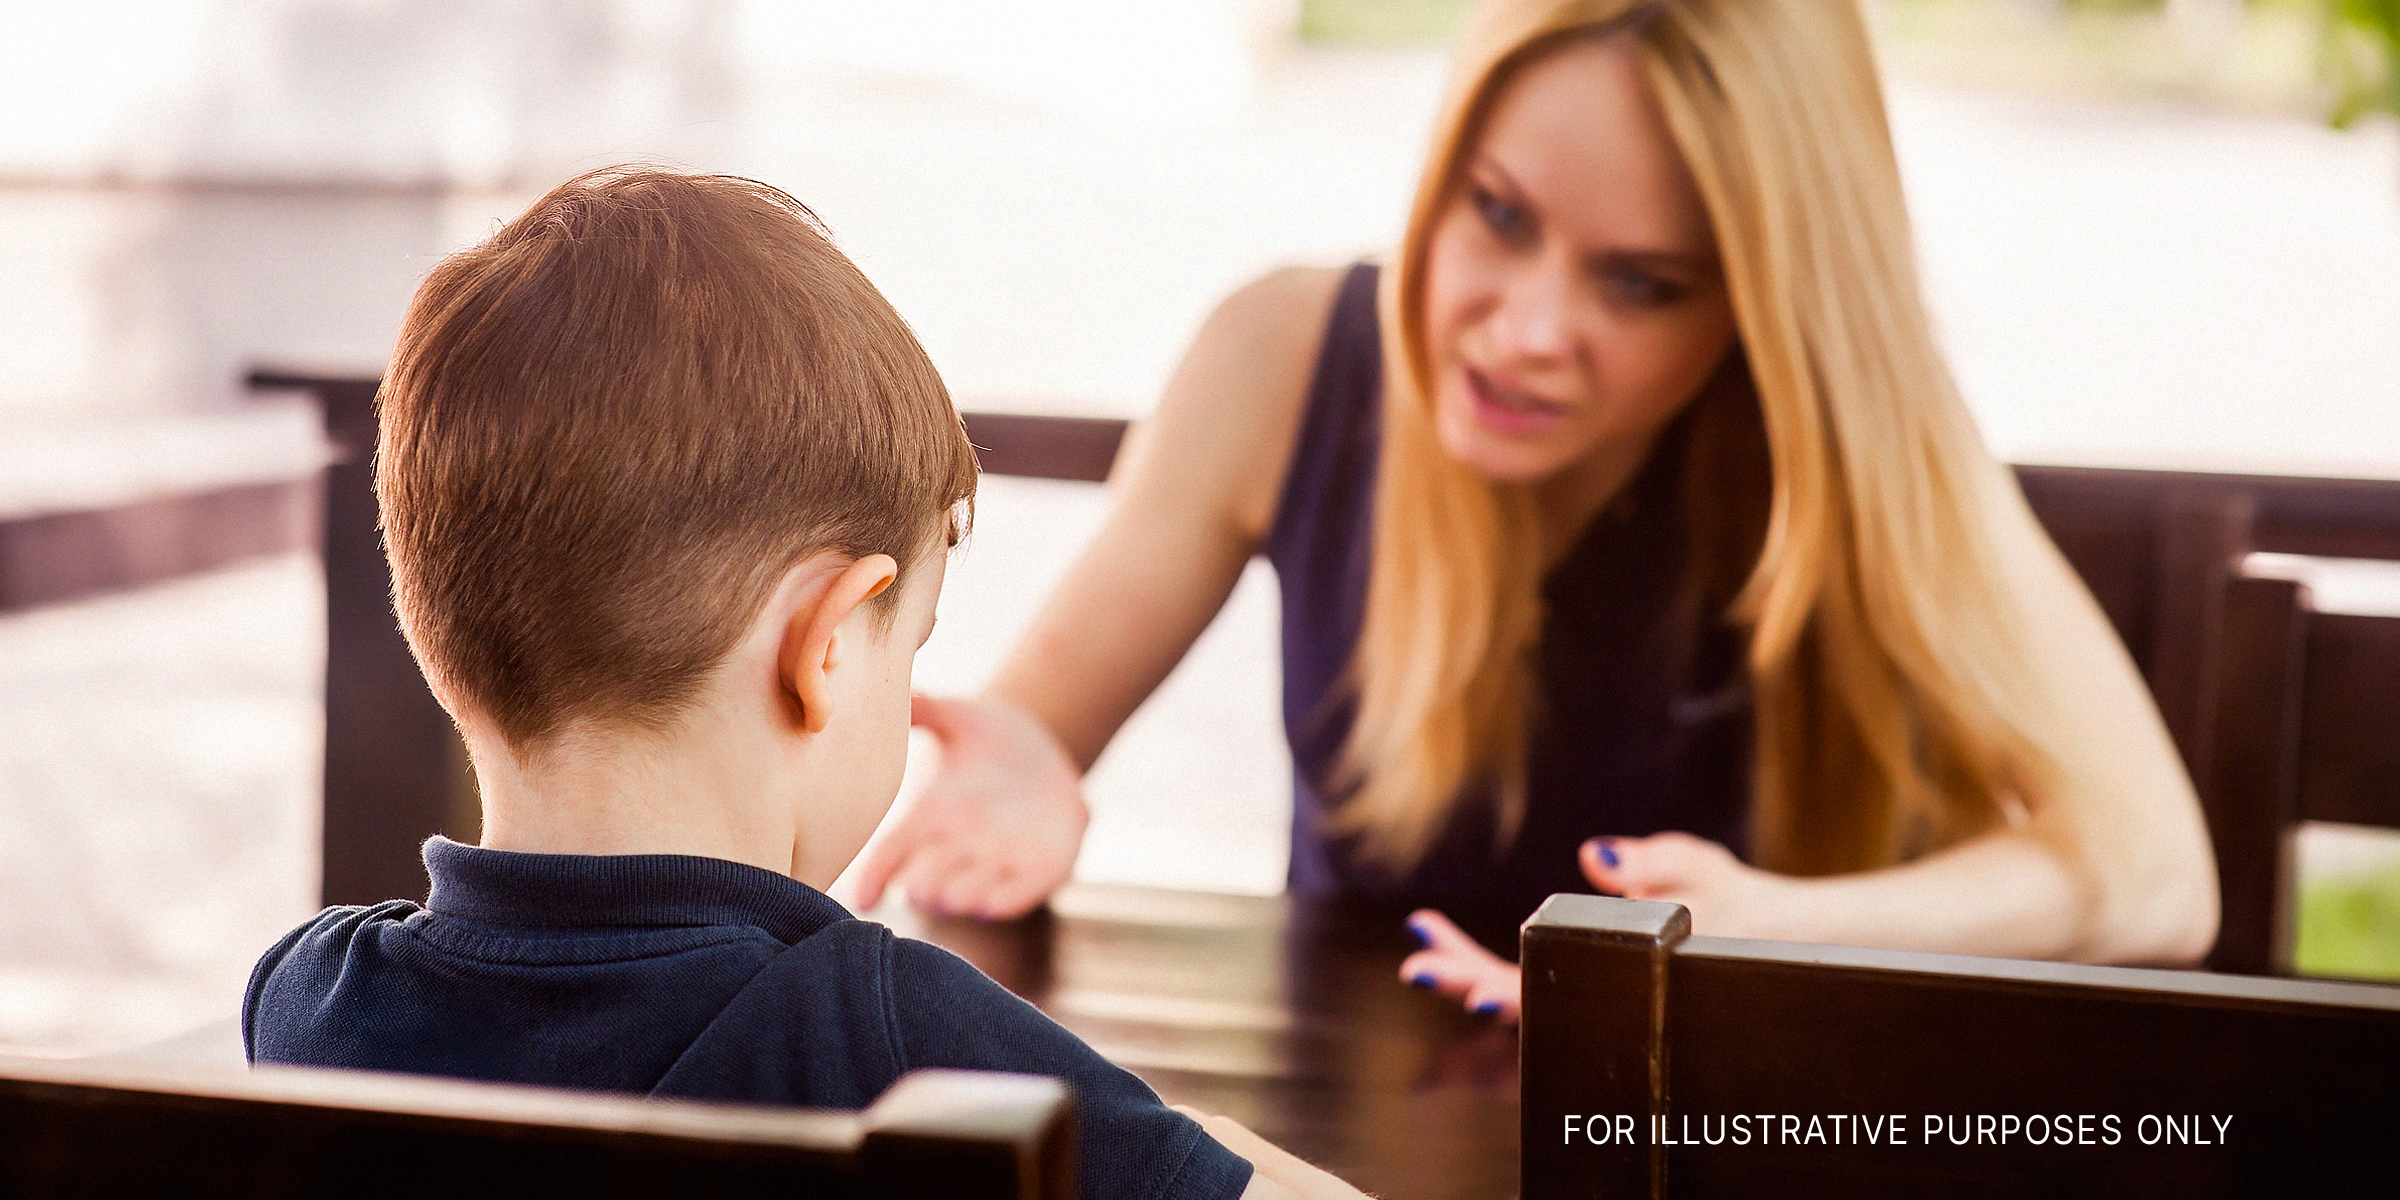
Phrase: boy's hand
(998,828)
(1281,1175)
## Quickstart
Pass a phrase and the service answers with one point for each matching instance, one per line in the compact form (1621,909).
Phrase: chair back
(84,1128)
(1718,1067)
(2282,714)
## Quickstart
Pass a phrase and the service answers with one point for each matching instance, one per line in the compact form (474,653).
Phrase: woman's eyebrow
(1602,260)
(1653,260)
(1483,162)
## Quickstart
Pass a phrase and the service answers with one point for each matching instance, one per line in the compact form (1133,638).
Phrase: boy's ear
(813,640)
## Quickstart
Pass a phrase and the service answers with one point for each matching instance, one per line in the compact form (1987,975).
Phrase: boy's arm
(945,1013)
(1278,1173)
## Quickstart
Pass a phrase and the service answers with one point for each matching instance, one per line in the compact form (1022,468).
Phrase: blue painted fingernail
(1608,854)
(1488,1007)
(1423,981)
(1423,939)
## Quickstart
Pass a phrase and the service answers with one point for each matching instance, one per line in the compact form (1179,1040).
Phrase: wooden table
(1285,1014)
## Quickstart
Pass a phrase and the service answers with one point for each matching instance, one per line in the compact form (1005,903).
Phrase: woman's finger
(1437,972)
(969,890)
(933,714)
(927,873)
(1436,932)
(1481,981)
(888,856)
(1499,995)
(1603,862)
(1638,868)
(1013,893)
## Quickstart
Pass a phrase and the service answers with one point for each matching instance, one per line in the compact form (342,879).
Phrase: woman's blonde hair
(1894,709)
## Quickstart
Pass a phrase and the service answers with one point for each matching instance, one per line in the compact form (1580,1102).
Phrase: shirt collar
(583,891)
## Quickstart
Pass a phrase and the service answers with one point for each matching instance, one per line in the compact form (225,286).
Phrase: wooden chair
(106,1129)
(1643,1044)
(2282,714)
(2307,728)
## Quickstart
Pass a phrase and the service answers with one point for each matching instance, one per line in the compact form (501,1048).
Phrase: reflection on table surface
(1284,1013)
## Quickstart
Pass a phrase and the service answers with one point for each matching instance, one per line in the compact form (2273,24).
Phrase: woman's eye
(1641,289)
(1505,220)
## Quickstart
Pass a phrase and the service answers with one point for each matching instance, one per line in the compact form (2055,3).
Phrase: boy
(667,488)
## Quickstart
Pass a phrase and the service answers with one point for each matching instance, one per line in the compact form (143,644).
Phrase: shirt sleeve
(254,992)
(1128,1144)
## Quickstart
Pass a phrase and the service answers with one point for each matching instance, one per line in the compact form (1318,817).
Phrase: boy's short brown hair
(609,429)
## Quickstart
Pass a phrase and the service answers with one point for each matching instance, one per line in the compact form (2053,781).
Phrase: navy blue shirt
(672,975)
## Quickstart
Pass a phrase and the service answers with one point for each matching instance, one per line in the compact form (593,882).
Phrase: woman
(1632,500)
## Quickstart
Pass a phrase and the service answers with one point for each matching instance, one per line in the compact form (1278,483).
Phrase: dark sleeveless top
(1643,715)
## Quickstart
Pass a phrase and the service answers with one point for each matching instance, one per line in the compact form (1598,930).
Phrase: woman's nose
(1534,320)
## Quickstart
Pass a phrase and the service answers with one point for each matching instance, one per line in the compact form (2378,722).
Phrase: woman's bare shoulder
(1224,429)
(1267,304)
(1265,337)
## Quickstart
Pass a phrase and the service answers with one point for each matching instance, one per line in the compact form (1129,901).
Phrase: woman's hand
(1727,897)
(997,830)
(1455,964)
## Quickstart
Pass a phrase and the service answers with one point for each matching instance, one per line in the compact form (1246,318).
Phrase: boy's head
(610,431)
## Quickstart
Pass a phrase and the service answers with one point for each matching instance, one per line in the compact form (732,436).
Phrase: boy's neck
(628,793)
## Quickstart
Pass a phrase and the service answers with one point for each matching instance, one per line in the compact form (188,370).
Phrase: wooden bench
(1657,1064)
(80,1128)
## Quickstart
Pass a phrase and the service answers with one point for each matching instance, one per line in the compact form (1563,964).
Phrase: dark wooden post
(390,752)
(2253,781)
(1594,1045)
(2203,531)
(1079,448)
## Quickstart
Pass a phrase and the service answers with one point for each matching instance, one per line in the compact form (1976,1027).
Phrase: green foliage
(2358,49)
(1381,22)
(2362,57)
(2351,928)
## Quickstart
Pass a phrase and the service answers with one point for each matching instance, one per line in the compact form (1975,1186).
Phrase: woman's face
(1573,299)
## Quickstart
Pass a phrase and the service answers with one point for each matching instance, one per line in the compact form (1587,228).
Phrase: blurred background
(2155,233)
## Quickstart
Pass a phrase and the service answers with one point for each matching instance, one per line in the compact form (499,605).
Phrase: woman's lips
(1507,410)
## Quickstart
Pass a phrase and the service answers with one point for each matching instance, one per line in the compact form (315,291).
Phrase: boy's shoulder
(825,1013)
(857,1002)
(905,1005)
(318,944)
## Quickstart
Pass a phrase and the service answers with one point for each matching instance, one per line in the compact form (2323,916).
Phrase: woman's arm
(2004,894)
(1196,486)
(2114,867)
(2124,829)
